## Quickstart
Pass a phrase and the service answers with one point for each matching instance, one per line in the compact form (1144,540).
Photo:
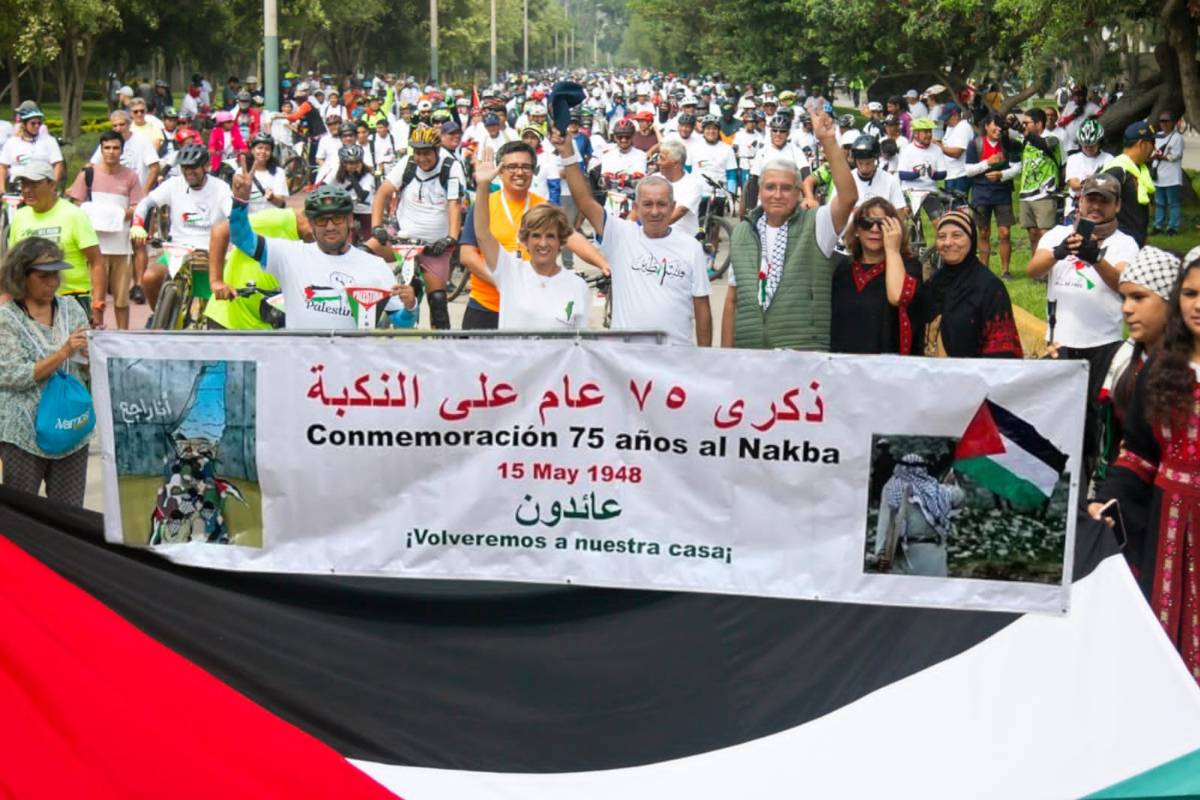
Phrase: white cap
(689,100)
(912,93)
(875,105)
(126,90)
(425,105)
(850,137)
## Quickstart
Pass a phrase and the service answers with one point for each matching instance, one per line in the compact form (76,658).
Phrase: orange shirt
(504,226)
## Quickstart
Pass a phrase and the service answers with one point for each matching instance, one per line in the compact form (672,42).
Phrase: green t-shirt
(1039,171)
(241,313)
(68,227)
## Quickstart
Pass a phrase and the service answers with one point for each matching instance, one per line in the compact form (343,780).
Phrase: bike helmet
(686,119)
(350,152)
(328,199)
(244,97)
(262,137)
(846,121)
(865,146)
(441,115)
(1090,132)
(192,155)
(768,88)
(28,112)
(787,96)
(710,119)
(780,123)
(170,113)
(346,129)
(424,138)
(623,127)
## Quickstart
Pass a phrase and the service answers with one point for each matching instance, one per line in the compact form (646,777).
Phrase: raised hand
(823,124)
(242,181)
(893,234)
(486,168)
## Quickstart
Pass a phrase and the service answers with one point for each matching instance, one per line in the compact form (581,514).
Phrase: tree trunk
(14,86)
(73,65)
(1179,28)
(1134,105)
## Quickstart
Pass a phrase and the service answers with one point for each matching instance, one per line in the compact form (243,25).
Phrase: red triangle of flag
(981,438)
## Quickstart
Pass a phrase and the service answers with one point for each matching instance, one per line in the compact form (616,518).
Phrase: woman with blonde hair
(863,319)
(535,294)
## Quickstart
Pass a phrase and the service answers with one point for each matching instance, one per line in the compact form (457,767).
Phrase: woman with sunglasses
(863,320)
(1156,477)
(964,311)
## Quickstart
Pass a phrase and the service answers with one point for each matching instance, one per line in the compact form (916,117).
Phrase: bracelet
(566,162)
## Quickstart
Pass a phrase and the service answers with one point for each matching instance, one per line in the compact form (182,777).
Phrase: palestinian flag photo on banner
(124,675)
(1007,455)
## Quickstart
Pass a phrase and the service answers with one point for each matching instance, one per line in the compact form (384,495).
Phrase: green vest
(1139,172)
(800,315)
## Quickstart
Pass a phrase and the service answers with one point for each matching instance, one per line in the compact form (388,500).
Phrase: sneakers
(1006,276)
(137,295)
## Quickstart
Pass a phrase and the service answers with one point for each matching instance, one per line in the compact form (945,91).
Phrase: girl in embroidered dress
(1157,471)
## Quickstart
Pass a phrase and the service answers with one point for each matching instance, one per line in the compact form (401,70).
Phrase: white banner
(890,480)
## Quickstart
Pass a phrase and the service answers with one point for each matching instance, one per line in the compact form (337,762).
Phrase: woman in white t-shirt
(270,189)
(538,294)
(353,176)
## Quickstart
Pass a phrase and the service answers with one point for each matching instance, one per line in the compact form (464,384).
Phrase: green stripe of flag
(1177,778)
(990,475)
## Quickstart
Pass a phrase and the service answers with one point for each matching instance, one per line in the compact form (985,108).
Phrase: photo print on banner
(185,439)
(991,503)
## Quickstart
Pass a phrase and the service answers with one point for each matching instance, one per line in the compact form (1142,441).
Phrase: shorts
(120,278)
(438,266)
(718,206)
(1039,213)
(1003,213)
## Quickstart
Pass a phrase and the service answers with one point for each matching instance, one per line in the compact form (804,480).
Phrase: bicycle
(296,169)
(270,306)
(926,253)
(184,296)
(714,229)
(620,190)
(603,285)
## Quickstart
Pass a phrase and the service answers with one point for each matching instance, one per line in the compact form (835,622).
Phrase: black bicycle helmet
(686,119)
(328,200)
(350,152)
(262,137)
(780,122)
(865,146)
(787,112)
(192,155)
(846,121)
(623,127)
(709,119)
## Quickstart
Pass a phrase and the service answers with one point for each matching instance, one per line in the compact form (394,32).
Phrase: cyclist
(247,118)
(713,159)
(1041,161)
(624,159)
(1088,161)
(921,166)
(383,146)
(315,277)
(870,179)
(197,201)
(430,184)
(672,158)
(225,143)
(746,144)
(270,183)
(30,142)
(777,146)
(359,183)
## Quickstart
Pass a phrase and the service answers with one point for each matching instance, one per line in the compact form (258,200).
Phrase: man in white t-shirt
(197,200)
(921,165)
(1088,160)
(1084,272)
(327,284)
(30,142)
(957,136)
(138,154)
(430,183)
(672,158)
(870,179)
(659,274)
(624,159)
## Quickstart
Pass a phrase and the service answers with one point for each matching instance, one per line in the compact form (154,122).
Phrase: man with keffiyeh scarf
(915,520)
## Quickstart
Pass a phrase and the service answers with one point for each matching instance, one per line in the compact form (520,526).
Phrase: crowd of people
(515,182)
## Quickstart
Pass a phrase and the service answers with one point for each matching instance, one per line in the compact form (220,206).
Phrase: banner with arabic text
(889,480)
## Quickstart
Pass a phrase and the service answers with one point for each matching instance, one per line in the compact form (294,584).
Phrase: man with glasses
(507,208)
(624,159)
(30,142)
(143,123)
(328,144)
(672,158)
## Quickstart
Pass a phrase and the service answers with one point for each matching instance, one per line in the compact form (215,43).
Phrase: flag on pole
(1007,455)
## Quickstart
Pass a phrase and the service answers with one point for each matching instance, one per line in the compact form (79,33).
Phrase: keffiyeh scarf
(770,270)
(926,492)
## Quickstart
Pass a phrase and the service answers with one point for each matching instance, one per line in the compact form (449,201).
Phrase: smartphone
(1111,511)
(1085,227)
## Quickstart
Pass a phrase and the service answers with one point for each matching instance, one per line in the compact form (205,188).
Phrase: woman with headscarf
(964,310)
(915,520)
(1156,477)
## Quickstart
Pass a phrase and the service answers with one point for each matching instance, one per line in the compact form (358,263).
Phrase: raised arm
(485,171)
(240,233)
(846,198)
(592,211)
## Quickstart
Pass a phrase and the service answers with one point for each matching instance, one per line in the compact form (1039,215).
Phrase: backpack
(89,176)
(410,172)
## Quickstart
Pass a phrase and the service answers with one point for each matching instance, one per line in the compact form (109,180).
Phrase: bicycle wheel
(296,171)
(167,311)
(724,235)
(459,277)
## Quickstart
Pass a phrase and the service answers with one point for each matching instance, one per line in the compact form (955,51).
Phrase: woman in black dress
(863,319)
(964,310)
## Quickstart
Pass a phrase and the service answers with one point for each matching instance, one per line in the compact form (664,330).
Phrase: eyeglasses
(325,220)
(517,167)
(137,111)
(870,223)
(623,136)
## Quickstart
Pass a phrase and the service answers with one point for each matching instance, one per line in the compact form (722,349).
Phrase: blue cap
(450,127)
(1139,132)
(490,119)
(948,110)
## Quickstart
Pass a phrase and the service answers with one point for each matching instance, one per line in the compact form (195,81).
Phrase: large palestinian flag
(123,675)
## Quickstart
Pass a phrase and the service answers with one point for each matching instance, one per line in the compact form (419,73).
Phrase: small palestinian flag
(1005,454)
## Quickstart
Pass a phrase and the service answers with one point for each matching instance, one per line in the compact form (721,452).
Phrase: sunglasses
(870,223)
(622,136)
(138,111)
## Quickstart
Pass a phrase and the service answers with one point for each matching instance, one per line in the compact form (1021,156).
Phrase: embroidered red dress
(863,320)
(1157,472)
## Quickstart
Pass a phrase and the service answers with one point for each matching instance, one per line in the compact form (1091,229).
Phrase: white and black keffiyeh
(929,495)
(1156,269)
(770,272)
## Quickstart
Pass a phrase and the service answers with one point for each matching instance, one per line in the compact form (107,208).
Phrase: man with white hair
(659,273)
(672,159)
